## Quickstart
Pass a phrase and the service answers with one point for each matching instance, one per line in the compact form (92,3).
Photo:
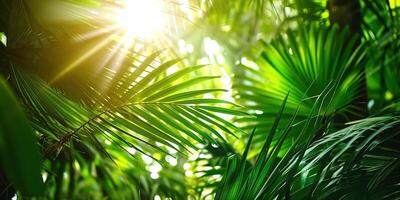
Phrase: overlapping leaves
(272,172)
(360,161)
(154,110)
(320,66)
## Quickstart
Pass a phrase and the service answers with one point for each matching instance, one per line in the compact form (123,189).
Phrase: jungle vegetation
(200,99)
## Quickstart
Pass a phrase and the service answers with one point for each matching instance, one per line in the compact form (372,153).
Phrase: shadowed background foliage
(239,99)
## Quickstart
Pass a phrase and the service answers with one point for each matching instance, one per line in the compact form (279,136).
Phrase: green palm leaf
(320,68)
(19,154)
(358,161)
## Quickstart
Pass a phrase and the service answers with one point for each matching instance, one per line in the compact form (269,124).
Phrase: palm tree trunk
(348,13)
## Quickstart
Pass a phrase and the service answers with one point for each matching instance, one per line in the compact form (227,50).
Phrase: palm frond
(272,171)
(318,66)
(143,122)
(358,161)
(380,33)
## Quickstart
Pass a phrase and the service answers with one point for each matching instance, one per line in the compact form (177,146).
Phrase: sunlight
(3,38)
(82,58)
(142,18)
(130,20)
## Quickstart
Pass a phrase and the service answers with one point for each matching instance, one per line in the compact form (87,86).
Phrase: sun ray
(74,64)
(117,56)
(129,21)
(93,34)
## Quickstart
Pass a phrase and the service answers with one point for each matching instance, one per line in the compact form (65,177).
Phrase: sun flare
(142,18)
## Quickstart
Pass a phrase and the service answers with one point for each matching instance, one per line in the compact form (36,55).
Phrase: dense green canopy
(189,99)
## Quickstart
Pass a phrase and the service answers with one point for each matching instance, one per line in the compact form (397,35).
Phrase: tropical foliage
(185,99)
